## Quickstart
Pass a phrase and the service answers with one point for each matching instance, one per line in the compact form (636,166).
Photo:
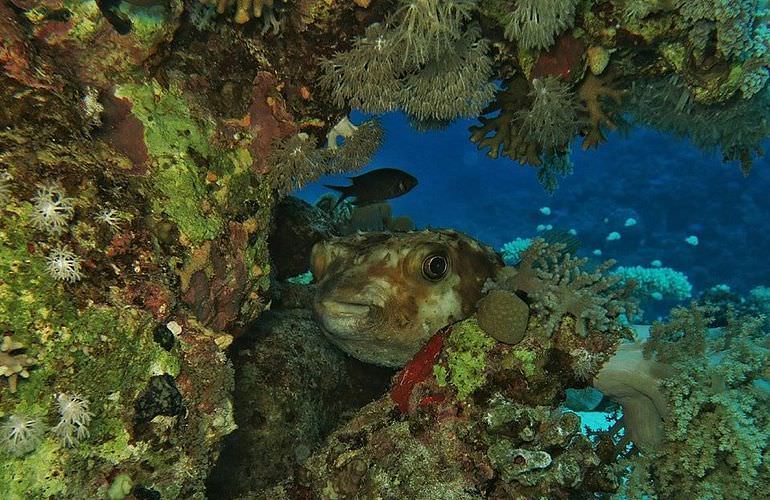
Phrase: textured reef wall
(143,145)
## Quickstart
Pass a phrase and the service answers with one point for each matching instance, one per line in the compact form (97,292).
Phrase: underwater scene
(384,249)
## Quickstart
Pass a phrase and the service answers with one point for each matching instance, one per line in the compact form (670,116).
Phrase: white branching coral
(20,435)
(64,265)
(75,417)
(534,24)
(51,208)
(559,286)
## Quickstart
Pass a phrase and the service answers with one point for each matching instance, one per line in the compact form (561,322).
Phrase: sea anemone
(64,265)
(51,208)
(109,217)
(75,417)
(20,435)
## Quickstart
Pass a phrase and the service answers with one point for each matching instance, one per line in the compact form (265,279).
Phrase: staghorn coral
(558,285)
(534,24)
(424,59)
(715,444)
(51,208)
(13,366)
(20,434)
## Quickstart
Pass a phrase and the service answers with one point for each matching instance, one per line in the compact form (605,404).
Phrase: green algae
(467,348)
(174,139)
(105,353)
(523,360)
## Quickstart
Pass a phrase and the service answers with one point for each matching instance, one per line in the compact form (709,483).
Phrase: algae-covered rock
(293,387)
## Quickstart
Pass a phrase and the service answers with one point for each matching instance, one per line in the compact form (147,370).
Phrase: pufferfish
(381,296)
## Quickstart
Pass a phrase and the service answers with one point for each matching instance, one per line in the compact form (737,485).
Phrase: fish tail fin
(343,190)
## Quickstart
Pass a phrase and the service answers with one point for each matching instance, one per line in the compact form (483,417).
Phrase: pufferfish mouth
(342,319)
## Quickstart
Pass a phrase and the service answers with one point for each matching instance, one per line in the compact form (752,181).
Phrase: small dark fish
(376,186)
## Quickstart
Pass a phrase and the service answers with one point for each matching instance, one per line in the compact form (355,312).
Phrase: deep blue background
(670,187)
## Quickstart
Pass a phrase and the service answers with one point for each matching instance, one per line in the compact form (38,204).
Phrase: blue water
(672,189)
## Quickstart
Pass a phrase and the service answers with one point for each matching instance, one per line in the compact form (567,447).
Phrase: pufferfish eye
(435,267)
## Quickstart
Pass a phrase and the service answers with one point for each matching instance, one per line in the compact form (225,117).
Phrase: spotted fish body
(381,296)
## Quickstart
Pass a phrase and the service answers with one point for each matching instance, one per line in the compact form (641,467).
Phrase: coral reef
(144,145)
(558,286)
(714,443)
(424,59)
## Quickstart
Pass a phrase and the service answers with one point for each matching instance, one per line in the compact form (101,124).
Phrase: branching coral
(534,24)
(558,285)
(716,444)
(20,435)
(500,131)
(14,365)
(656,282)
(424,59)
(594,92)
